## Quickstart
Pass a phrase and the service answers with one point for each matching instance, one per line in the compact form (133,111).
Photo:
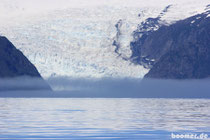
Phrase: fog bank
(23,83)
(64,87)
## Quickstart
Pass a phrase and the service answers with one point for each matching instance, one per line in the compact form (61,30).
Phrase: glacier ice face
(75,37)
(76,44)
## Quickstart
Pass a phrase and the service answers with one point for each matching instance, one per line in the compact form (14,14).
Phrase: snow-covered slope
(75,37)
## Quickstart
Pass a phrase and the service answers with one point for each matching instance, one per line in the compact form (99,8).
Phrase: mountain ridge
(181,50)
(14,65)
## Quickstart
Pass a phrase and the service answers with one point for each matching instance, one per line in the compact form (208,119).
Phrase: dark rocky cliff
(178,51)
(182,50)
(141,51)
(14,64)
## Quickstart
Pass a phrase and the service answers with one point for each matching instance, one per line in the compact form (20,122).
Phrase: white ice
(74,37)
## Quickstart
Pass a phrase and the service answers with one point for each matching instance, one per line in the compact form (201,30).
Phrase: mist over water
(23,83)
(129,87)
(105,87)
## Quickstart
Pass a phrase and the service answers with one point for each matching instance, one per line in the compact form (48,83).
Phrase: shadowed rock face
(14,64)
(141,49)
(180,51)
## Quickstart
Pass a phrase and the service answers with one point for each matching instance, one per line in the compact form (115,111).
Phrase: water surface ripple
(101,118)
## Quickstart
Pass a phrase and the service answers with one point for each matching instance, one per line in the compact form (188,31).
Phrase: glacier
(75,38)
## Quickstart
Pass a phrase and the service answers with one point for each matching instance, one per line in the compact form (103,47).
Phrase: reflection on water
(93,118)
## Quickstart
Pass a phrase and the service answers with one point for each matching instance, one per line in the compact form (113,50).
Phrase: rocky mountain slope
(181,50)
(14,64)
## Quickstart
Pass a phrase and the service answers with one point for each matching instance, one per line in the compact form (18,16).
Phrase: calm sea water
(101,118)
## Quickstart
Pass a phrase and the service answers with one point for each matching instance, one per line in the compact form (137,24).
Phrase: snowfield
(75,38)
